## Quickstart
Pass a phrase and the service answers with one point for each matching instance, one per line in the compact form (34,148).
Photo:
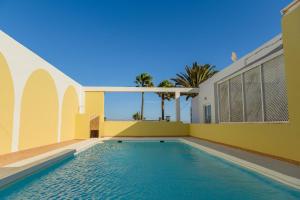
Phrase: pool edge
(19,172)
(275,175)
(12,174)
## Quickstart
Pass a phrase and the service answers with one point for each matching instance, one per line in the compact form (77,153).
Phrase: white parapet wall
(22,63)
(208,91)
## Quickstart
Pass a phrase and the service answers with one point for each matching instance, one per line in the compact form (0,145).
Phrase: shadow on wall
(144,129)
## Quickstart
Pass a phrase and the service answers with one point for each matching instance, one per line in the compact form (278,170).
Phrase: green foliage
(144,80)
(166,84)
(165,96)
(194,76)
(136,116)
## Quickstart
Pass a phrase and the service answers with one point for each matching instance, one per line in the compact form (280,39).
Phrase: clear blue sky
(107,43)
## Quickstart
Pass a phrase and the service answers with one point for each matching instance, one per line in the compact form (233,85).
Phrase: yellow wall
(291,45)
(70,108)
(94,106)
(6,106)
(39,111)
(82,130)
(281,140)
(94,103)
(143,129)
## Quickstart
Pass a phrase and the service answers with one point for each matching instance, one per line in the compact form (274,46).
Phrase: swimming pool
(146,170)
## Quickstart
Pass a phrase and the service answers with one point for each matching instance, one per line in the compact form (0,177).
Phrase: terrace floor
(9,158)
(281,166)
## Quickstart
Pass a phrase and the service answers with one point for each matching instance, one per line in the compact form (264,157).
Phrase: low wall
(143,129)
(278,140)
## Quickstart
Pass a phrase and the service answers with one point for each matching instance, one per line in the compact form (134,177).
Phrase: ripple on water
(147,170)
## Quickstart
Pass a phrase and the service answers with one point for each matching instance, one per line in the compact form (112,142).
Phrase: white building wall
(207,89)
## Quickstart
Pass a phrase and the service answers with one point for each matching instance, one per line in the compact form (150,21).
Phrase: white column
(177,104)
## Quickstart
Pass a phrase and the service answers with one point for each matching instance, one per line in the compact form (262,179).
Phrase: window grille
(256,95)
(224,104)
(275,93)
(236,99)
(252,86)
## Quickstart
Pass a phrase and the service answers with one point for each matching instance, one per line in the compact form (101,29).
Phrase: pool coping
(275,175)
(18,170)
(9,175)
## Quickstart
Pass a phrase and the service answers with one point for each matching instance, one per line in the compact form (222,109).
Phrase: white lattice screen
(224,108)
(258,94)
(253,104)
(236,99)
(275,94)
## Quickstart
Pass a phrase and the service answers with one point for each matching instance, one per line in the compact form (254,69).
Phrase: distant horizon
(108,43)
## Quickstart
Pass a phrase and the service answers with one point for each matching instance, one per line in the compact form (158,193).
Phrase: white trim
(248,68)
(140,89)
(292,6)
(229,103)
(262,94)
(241,73)
(218,103)
(243,98)
(177,106)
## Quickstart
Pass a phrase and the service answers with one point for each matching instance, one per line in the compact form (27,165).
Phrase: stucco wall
(207,90)
(280,140)
(31,105)
(94,104)
(144,129)
(6,106)
(70,108)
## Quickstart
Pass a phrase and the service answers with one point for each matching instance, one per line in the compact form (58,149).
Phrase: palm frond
(194,76)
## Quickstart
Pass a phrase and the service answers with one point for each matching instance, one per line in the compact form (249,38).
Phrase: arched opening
(39,111)
(6,106)
(70,108)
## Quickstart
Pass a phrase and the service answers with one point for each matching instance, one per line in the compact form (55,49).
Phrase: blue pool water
(147,170)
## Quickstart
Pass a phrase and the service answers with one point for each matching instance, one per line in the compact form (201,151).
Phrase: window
(224,102)
(252,85)
(207,114)
(236,99)
(258,94)
(275,95)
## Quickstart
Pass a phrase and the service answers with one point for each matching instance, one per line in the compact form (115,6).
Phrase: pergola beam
(177,92)
(141,89)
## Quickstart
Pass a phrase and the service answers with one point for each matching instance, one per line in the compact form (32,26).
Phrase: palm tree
(194,76)
(165,96)
(143,80)
(136,116)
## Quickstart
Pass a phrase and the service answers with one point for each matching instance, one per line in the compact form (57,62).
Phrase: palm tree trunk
(162,107)
(142,108)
